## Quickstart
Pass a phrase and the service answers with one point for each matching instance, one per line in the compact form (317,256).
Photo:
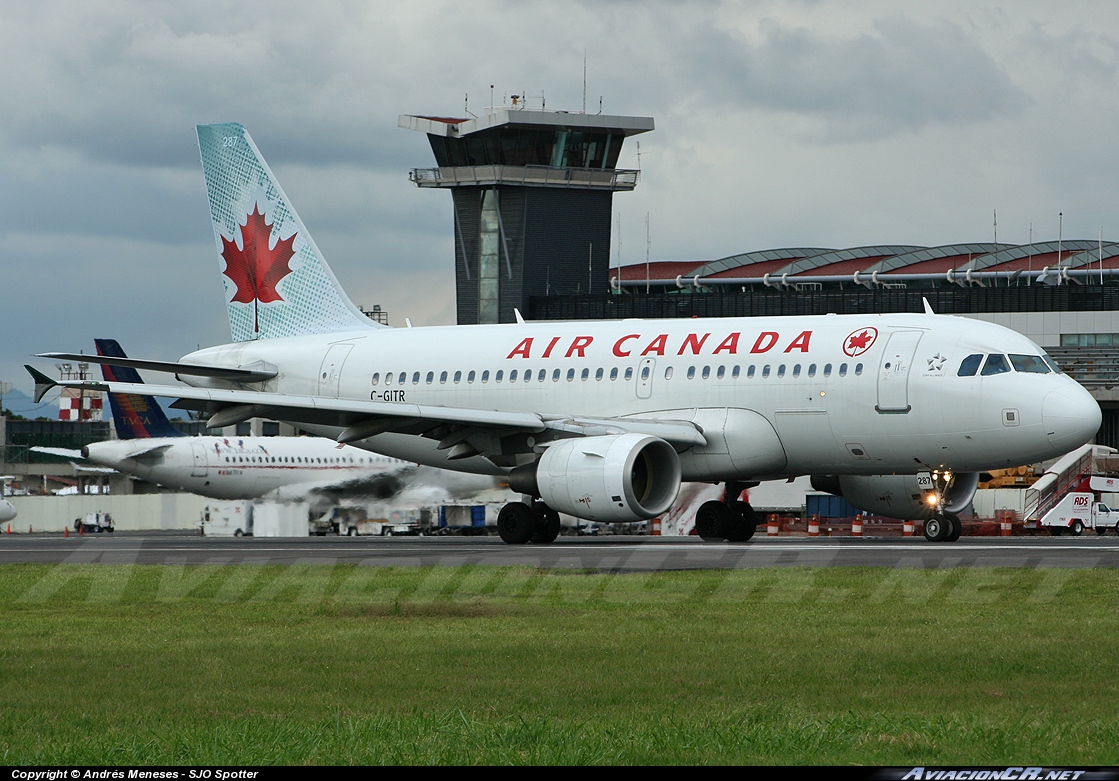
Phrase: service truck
(1079,511)
(227,519)
(94,523)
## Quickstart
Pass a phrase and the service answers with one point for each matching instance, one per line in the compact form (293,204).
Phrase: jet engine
(612,479)
(899,496)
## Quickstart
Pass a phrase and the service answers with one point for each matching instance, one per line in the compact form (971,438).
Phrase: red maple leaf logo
(256,269)
(859,341)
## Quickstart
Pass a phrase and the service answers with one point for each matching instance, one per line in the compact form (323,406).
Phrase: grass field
(340,664)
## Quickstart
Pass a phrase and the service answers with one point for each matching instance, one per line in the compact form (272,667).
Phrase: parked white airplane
(603,419)
(149,447)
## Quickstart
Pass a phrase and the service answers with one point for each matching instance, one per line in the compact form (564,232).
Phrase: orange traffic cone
(65,531)
(30,530)
(9,528)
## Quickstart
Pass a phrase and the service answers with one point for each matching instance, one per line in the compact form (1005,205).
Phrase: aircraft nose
(1071,416)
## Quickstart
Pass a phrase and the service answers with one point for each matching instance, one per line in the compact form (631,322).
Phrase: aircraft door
(893,373)
(198,453)
(330,374)
(645,377)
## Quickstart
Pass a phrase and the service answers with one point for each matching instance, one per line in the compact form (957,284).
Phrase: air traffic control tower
(532,201)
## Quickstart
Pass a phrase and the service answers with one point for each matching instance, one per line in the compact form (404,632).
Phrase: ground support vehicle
(1079,511)
(227,519)
(94,523)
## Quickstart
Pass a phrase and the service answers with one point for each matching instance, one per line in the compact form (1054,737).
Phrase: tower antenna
(996,213)
(1030,280)
(1060,237)
(584,81)
(648,242)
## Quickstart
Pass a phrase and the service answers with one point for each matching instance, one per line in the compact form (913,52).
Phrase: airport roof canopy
(882,262)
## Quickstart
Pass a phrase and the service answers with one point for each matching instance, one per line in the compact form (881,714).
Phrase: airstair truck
(1079,511)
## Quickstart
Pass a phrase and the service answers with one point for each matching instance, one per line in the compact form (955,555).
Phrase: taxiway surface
(609,554)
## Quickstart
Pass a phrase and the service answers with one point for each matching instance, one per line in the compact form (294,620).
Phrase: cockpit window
(1029,363)
(996,364)
(1051,364)
(970,366)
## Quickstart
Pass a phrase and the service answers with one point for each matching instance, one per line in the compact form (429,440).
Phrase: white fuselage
(775,397)
(7,510)
(243,467)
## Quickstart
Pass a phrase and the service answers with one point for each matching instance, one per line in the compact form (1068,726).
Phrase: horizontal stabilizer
(61,452)
(149,453)
(173,367)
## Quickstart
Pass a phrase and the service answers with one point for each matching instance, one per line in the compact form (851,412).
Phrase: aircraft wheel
(956,528)
(516,523)
(743,522)
(713,520)
(1077,528)
(238,533)
(937,529)
(547,524)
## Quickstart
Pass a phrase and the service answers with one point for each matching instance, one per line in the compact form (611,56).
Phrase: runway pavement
(609,554)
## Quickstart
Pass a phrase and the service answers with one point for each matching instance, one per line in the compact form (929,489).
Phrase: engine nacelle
(611,479)
(899,496)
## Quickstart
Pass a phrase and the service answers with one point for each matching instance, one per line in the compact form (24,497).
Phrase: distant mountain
(21,404)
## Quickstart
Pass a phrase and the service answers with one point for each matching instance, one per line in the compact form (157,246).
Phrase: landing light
(931,499)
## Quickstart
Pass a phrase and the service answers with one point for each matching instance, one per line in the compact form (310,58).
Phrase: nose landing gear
(943,528)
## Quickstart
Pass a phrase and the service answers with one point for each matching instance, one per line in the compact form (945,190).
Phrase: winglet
(43,383)
(517,312)
(928,307)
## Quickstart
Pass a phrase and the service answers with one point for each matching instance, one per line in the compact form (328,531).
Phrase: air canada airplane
(604,419)
(149,447)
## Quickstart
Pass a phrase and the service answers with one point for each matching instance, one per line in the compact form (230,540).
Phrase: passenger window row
(531,375)
(998,364)
(296,460)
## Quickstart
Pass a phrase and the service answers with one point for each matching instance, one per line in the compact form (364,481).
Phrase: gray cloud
(898,76)
(778,123)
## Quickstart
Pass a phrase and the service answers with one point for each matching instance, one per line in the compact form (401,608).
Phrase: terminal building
(1063,294)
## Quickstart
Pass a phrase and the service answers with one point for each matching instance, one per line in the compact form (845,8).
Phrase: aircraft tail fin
(277,283)
(134,417)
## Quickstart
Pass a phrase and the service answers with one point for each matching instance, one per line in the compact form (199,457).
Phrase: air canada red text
(662,344)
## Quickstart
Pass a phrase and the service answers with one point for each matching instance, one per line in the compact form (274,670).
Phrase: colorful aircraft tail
(277,283)
(134,417)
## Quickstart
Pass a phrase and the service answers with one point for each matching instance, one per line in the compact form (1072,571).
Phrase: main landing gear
(731,519)
(518,523)
(943,528)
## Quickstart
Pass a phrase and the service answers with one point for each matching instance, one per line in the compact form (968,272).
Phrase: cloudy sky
(779,123)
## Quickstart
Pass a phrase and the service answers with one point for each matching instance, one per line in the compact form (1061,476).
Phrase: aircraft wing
(239,374)
(360,419)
